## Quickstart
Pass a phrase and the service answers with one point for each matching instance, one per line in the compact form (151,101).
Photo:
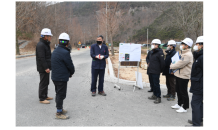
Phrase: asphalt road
(118,108)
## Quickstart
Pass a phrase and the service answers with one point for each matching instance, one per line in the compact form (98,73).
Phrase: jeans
(155,83)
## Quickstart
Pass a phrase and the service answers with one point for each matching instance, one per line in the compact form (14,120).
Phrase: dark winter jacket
(147,59)
(95,50)
(62,64)
(168,61)
(43,56)
(197,74)
(156,61)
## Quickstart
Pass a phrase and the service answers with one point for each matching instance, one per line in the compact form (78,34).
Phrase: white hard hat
(200,39)
(188,41)
(64,36)
(157,41)
(171,42)
(46,31)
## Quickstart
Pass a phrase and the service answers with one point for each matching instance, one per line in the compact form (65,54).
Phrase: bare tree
(188,16)
(24,13)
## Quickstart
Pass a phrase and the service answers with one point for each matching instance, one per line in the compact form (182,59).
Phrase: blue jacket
(95,50)
(62,64)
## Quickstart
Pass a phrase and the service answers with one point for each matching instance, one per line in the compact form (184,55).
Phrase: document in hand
(175,58)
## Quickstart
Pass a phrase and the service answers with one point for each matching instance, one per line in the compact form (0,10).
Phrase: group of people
(177,74)
(189,67)
(62,67)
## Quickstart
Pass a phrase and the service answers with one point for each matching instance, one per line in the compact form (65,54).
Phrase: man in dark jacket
(43,61)
(149,77)
(197,84)
(99,53)
(155,67)
(170,78)
(62,69)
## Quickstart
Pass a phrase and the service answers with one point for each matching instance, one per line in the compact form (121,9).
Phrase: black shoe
(150,90)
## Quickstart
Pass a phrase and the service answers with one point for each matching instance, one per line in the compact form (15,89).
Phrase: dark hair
(100,36)
(63,42)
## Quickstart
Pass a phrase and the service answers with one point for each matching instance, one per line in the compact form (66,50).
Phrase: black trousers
(43,86)
(171,84)
(182,92)
(155,83)
(197,109)
(61,92)
(95,74)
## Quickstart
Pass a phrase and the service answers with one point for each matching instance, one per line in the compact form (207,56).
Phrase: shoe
(171,98)
(59,115)
(102,93)
(64,111)
(150,90)
(93,94)
(189,126)
(49,98)
(45,102)
(181,110)
(190,122)
(176,106)
(158,100)
(166,96)
(153,97)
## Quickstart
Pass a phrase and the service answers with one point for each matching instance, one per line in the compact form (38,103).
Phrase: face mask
(181,47)
(152,46)
(168,48)
(195,48)
(99,42)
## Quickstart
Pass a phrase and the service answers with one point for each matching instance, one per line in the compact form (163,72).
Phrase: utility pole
(147,39)
(55,24)
(106,23)
(98,27)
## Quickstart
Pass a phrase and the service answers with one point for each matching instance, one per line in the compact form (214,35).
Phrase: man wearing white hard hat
(155,67)
(170,78)
(197,84)
(183,73)
(43,62)
(62,70)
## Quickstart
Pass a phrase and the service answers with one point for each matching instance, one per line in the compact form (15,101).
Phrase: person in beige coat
(183,72)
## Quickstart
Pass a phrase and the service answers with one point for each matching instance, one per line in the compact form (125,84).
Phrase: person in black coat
(99,53)
(155,67)
(43,62)
(62,69)
(197,84)
(170,78)
(149,77)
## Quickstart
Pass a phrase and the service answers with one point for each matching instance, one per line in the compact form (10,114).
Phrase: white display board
(129,52)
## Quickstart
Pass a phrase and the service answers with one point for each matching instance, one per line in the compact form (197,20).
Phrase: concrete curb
(20,56)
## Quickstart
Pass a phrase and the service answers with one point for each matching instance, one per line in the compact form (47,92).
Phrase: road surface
(118,108)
